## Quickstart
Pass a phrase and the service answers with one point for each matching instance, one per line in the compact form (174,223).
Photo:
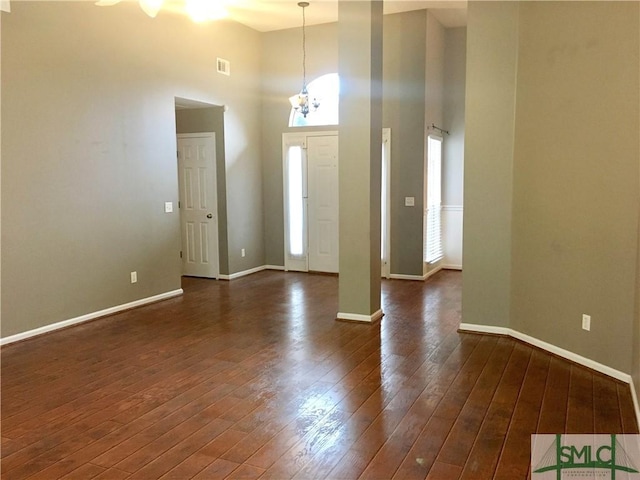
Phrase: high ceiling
(268,15)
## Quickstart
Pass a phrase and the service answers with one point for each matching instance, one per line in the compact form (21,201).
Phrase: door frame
(385,261)
(299,263)
(289,139)
(215,253)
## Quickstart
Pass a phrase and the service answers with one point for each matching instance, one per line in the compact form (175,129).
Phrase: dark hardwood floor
(254,378)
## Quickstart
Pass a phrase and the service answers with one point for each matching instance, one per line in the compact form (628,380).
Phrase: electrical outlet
(134,277)
(242,252)
(586,322)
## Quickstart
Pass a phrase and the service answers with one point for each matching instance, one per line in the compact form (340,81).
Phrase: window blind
(433,250)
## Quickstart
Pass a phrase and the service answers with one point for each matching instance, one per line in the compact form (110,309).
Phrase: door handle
(209,215)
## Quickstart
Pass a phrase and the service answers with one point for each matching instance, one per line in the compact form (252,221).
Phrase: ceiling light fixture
(198,10)
(300,102)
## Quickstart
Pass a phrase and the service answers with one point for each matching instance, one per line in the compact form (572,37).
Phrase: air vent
(224,66)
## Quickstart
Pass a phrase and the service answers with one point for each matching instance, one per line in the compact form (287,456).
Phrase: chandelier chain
(304,50)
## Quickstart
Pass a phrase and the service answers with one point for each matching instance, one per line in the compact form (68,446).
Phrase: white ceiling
(268,15)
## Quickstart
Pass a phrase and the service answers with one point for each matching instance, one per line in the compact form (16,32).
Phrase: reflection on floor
(254,378)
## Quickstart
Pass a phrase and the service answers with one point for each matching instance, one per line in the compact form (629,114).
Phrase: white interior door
(198,204)
(322,203)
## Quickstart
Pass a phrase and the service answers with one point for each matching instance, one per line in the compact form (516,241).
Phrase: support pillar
(360,152)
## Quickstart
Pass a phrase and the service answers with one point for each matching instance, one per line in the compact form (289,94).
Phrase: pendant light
(300,102)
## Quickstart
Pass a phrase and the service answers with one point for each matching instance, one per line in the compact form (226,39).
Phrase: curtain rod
(433,125)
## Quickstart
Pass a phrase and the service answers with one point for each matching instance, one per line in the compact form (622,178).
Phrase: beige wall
(88,145)
(567,187)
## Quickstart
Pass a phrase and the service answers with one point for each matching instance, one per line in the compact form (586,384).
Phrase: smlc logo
(585,456)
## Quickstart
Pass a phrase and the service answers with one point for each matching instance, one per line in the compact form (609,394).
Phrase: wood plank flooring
(255,379)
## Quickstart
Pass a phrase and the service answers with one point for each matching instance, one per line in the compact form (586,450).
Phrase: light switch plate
(409,201)
(168,207)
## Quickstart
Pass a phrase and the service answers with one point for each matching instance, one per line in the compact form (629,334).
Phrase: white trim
(432,272)
(385,208)
(400,276)
(636,404)
(561,352)
(452,267)
(243,273)
(420,278)
(357,317)
(452,208)
(274,267)
(473,328)
(90,316)
(298,139)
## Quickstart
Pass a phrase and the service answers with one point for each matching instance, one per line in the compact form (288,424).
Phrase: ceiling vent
(224,66)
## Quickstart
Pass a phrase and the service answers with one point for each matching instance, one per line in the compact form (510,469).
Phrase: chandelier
(300,102)
(198,10)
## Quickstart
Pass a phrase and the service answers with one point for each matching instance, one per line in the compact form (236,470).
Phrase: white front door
(311,208)
(322,203)
(198,204)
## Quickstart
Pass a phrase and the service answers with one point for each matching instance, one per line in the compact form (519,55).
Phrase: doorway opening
(198,130)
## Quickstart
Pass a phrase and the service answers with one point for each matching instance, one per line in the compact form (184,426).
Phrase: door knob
(209,215)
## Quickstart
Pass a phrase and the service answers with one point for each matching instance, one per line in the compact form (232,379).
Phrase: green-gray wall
(492,39)
(404,105)
(552,160)
(89,152)
(453,115)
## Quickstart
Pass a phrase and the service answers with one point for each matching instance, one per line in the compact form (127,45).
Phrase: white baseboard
(89,316)
(244,273)
(274,267)
(419,278)
(432,272)
(561,352)
(356,317)
(400,276)
(452,267)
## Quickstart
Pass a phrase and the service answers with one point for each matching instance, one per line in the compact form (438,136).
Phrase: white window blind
(433,205)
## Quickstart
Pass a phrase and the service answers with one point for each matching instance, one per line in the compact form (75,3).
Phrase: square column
(360,153)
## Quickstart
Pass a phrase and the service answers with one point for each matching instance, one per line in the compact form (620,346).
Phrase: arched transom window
(327,90)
